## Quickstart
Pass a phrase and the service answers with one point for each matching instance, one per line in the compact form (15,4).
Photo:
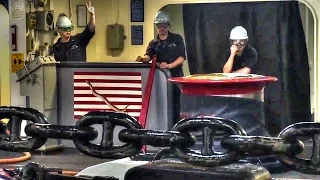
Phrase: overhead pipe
(70,10)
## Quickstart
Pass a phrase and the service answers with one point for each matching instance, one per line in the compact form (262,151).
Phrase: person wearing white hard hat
(73,48)
(241,57)
(169,50)
(168,47)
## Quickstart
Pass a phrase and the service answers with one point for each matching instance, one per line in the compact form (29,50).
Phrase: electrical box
(31,20)
(115,36)
(44,20)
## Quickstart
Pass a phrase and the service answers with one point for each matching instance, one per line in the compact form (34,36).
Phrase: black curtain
(275,30)
(5,3)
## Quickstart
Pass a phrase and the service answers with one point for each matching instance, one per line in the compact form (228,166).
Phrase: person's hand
(90,8)
(164,65)
(233,49)
(139,59)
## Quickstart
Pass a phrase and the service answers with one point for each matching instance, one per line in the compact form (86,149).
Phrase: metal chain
(178,141)
(13,142)
(34,171)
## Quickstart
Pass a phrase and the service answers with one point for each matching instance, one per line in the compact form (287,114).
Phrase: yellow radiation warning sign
(17,62)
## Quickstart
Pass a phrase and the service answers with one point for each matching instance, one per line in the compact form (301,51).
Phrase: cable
(67,173)
(118,13)
(70,173)
(26,157)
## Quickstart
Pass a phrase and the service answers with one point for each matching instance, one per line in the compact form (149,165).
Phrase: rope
(67,173)
(26,157)
(70,173)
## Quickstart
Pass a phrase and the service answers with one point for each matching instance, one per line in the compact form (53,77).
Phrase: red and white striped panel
(119,88)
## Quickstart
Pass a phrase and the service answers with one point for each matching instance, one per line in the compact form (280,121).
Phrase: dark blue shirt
(247,59)
(168,51)
(75,48)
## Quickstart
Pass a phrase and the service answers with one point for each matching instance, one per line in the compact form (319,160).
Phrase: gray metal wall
(160,108)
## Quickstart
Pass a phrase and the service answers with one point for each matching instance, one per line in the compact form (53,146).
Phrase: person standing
(73,48)
(169,50)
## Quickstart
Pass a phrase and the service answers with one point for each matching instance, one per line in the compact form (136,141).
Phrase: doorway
(5,58)
(206,26)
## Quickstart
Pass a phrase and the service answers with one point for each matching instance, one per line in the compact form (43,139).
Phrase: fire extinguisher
(14,34)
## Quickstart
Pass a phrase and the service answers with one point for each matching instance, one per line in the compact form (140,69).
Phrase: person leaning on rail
(73,48)
(169,49)
(241,57)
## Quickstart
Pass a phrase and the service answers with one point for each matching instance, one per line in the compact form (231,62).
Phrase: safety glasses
(162,25)
(66,29)
(239,41)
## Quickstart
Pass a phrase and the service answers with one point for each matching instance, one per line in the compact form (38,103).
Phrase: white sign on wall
(17,11)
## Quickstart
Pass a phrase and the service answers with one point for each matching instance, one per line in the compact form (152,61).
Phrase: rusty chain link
(179,141)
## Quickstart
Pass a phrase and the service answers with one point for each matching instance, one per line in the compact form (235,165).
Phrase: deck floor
(70,159)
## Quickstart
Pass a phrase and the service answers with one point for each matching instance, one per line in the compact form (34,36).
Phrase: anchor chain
(178,141)
(34,171)
(13,141)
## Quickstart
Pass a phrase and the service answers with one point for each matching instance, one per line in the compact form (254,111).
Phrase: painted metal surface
(221,84)
(122,84)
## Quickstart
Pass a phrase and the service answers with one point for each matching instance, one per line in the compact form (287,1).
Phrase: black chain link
(106,149)
(34,171)
(307,130)
(13,142)
(178,141)
(207,156)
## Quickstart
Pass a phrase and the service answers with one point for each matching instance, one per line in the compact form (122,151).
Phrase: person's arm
(92,18)
(244,70)
(181,51)
(249,63)
(176,63)
(227,68)
(87,34)
(145,58)
(148,55)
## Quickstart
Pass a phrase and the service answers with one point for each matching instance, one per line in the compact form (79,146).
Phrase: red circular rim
(229,86)
(188,80)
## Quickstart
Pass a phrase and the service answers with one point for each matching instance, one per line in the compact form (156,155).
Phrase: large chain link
(306,130)
(34,171)
(209,128)
(179,141)
(13,142)
(107,149)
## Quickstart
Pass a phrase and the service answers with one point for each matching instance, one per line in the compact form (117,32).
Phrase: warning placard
(17,62)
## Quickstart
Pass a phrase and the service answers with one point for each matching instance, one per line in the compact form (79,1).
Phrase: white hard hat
(161,17)
(238,32)
(64,22)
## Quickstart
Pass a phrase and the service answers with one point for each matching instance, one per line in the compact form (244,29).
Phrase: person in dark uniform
(241,57)
(169,50)
(73,48)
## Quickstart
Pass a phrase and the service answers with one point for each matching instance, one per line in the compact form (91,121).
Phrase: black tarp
(275,30)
